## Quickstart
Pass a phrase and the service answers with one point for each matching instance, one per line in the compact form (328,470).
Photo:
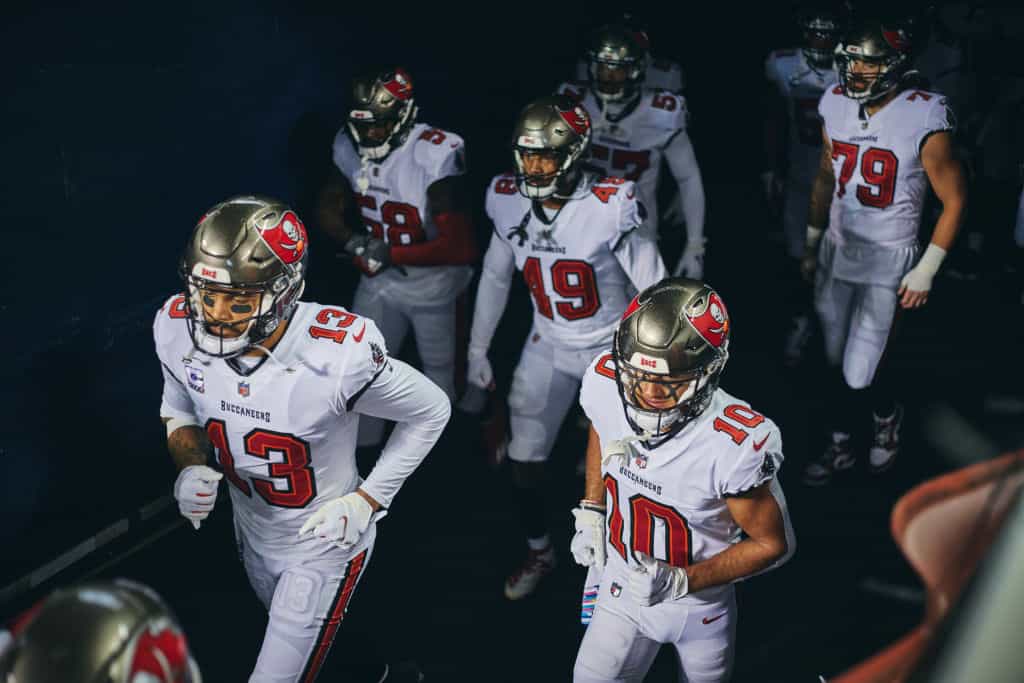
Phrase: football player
(798,77)
(265,391)
(660,73)
(885,143)
(397,204)
(682,494)
(636,129)
(576,238)
(98,631)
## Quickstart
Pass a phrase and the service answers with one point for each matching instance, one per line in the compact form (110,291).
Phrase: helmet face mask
(552,134)
(670,350)
(244,271)
(872,62)
(617,63)
(820,37)
(383,112)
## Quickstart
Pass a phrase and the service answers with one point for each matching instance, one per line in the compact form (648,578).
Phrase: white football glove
(587,544)
(479,372)
(691,263)
(342,521)
(196,492)
(655,581)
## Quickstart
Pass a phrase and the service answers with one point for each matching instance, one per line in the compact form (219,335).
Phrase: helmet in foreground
(250,252)
(100,632)
(670,349)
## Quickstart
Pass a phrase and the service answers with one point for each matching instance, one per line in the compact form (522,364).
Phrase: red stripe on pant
(333,621)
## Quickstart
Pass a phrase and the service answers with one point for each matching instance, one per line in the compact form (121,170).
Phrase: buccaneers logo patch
(287,238)
(577,119)
(161,656)
(708,316)
(400,85)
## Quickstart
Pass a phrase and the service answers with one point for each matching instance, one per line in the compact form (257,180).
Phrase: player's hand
(196,492)
(914,288)
(655,581)
(691,263)
(342,521)
(478,370)
(809,265)
(371,255)
(771,186)
(587,544)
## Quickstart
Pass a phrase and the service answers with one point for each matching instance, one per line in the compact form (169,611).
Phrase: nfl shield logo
(243,388)
(615,590)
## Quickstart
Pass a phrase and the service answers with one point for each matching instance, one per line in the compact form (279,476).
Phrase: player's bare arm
(758,514)
(821,201)
(594,487)
(189,445)
(946,175)
(334,207)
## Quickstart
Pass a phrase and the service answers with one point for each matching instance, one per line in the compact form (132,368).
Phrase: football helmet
(670,349)
(254,249)
(820,26)
(616,49)
(555,126)
(874,44)
(100,632)
(383,111)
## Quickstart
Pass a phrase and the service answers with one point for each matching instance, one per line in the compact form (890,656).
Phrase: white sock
(539,543)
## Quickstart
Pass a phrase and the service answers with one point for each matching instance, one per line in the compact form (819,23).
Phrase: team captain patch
(196,381)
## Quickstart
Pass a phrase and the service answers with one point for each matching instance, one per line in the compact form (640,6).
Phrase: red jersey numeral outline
(337,332)
(879,168)
(176,308)
(628,163)
(584,289)
(295,468)
(643,511)
(399,222)
(434,135)
(740,414)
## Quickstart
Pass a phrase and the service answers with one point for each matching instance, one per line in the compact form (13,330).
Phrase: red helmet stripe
(633,305)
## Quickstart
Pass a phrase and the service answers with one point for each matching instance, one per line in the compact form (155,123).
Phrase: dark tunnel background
(122,123)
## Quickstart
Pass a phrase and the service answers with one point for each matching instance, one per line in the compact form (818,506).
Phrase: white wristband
(813,236)
(176,423)
(931,260)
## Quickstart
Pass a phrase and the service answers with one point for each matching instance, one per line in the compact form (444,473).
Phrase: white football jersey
(801,86)
(392,198)
(880,182)
(284,435)
(661,74)
(632,147)
(580,266)
(669,501)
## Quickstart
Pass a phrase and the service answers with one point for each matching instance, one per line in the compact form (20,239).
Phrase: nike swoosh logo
(359,337)
(705,620)
(760,445)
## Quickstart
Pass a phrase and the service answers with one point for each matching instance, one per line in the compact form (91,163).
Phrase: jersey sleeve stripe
(350,403)
(171,373)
